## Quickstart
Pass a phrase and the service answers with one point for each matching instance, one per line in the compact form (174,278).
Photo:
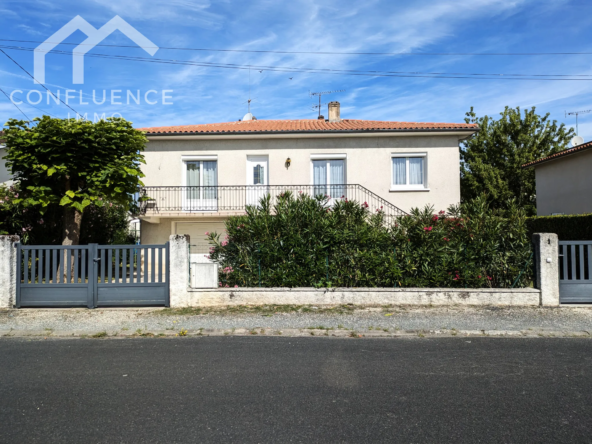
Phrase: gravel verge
(341,321)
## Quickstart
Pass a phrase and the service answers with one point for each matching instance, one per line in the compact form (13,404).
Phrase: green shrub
(303,242)
(573,227)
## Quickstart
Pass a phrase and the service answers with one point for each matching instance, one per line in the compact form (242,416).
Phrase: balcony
(233,199)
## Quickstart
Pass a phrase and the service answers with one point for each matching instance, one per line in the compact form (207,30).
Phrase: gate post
(546,259)
(8,276)
(178,267)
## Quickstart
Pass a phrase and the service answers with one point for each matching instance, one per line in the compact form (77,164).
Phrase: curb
(292,333)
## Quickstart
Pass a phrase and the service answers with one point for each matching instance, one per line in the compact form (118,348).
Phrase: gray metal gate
(92,275)
(575,274)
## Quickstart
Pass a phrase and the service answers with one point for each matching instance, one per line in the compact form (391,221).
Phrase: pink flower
(236,286)
(219,284)
(16,195)
(207,233)
(40,221)
(427,228)
(227,285)
(110,204)
(490,278)
(224,243)
(435,218)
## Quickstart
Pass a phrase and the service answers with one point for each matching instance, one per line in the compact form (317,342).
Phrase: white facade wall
(368,163)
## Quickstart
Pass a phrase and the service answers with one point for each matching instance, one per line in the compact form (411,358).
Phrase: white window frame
(211,205)
(407,186)
(327,157)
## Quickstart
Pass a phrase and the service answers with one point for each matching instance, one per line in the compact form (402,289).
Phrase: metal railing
(156,200)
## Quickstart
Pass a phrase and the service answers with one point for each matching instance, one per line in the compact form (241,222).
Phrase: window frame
(408,186)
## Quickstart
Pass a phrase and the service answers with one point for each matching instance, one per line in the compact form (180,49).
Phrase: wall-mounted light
(288,162)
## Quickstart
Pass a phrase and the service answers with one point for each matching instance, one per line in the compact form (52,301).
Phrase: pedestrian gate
(92,275)
(575,274)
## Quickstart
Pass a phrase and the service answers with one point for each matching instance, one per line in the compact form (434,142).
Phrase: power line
(367,73)
(319,52)
(17,107)
(17,64)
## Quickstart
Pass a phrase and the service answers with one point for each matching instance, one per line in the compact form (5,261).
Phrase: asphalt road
(255,389)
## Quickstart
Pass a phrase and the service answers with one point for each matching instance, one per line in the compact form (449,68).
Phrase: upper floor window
(408,171)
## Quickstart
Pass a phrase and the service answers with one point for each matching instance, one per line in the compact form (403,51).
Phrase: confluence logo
(95,36)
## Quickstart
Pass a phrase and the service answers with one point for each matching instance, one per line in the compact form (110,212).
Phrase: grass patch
(102,334)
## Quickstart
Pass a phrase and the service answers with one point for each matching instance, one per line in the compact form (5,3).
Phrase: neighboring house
(198,175)
(5,176)
(564,181)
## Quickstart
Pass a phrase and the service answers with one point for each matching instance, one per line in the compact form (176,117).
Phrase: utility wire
(319,52)
(367,73)
(17,107)
(17,64)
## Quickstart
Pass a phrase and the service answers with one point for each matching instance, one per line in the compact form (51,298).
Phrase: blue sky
(205,94)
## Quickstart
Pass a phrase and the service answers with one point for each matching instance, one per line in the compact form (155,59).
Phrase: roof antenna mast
(577,113)
(320,95)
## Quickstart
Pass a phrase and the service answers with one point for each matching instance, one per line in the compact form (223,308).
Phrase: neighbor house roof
(577,149)
(307,126)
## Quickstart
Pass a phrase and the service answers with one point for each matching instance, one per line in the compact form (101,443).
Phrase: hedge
(575,227)
(303,241)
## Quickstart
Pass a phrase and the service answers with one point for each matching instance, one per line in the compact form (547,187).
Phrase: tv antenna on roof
(577,113)
(320,95)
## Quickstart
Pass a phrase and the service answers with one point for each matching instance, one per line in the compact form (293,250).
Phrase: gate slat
(117,266)
(589,249)
(152,264)
(160,251)
(54,266)
(40,267)
(26,267)
(83,267)
(102,271)
(47,267)
(110,260)
(33,264)
(564,252)
(582,275)
(145,264)
(124,265)
(75,277)
(68,254)
(573,263)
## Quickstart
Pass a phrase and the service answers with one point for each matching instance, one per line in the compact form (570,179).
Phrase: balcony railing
(229,198)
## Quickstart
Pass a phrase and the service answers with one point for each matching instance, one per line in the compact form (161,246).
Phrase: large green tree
(491,161)
(74,163)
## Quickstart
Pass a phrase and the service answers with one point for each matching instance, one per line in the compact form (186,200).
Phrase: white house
(198,175)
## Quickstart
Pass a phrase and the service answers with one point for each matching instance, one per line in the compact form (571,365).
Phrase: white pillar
(179,270)
(8,271)
(546,257)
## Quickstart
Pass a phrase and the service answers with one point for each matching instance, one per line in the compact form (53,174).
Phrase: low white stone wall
(8,270)
(359,296)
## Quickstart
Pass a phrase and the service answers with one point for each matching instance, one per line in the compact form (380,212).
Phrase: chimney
(334,112)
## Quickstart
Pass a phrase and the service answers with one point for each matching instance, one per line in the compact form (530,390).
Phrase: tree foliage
(74,164)
(303,242)
(105,224)
(492,159)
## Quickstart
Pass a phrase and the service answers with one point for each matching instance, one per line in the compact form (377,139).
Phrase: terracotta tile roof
(306,125)
(582,147)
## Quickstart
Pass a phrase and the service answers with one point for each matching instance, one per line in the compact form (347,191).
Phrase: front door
(257,178)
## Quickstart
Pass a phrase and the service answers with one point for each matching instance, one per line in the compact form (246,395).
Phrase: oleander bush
(303,241)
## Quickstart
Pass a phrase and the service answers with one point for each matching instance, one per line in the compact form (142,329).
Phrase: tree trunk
(71,236)
(72,223)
